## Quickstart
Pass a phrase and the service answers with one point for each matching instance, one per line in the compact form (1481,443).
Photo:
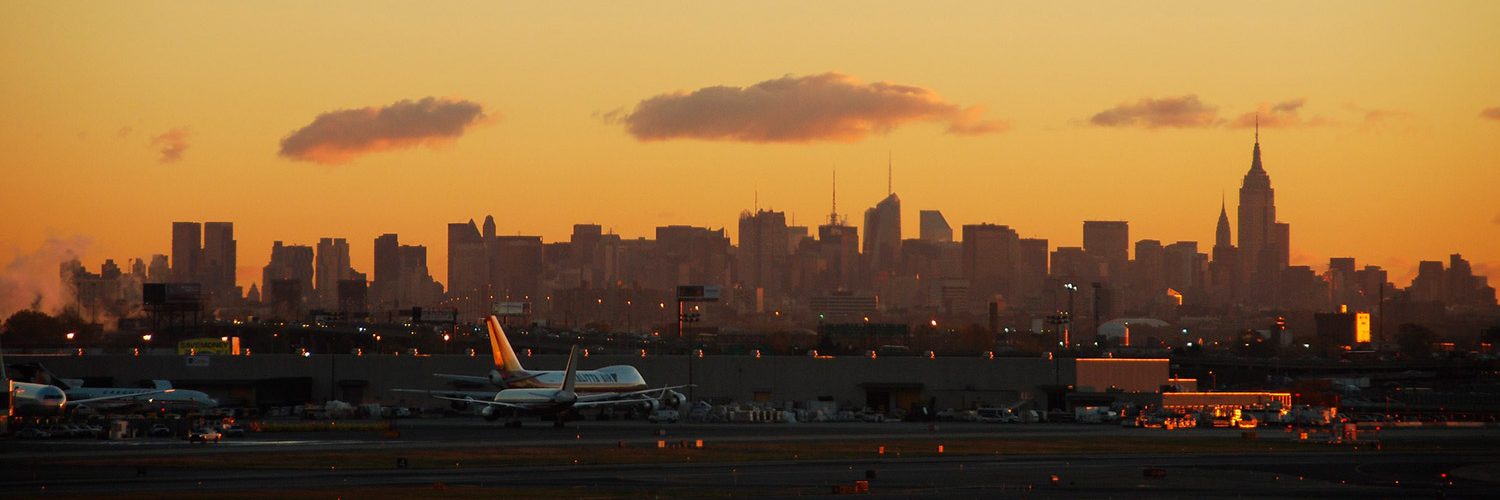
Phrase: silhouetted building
(1223,270)
(934,227)
(1264,246)
(331,268)
(218,263)
(762,257)
(882,245)
(288,278)
(468,271)
(991,253)
(1108,241)
(187,250)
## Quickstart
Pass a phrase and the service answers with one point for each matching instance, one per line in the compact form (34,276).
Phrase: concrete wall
(955,382)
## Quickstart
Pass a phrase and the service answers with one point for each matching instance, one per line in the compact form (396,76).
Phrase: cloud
(343,135)
(1490,113)
(31,281)
(1170,112)
(172,143)
(124,132)
(1285,114)
(792,109)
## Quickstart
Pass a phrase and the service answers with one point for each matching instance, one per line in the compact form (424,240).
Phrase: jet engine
(673,400)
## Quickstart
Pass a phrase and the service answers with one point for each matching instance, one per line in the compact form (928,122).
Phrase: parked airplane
(557,401)
(41,400)
(509,374)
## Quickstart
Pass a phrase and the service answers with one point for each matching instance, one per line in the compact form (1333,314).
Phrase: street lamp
(1068,327)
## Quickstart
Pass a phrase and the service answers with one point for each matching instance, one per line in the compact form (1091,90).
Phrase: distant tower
(1221,234)
(1257,218)
(883,230)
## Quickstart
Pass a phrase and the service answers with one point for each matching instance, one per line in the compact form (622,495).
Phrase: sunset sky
(300,120)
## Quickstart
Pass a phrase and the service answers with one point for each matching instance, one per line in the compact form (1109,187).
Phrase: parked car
(233,431)
(204,435)
(159,430)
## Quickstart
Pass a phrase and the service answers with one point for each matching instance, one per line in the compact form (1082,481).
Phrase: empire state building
(1263,245)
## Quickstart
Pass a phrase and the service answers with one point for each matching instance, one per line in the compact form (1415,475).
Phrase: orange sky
(120,117)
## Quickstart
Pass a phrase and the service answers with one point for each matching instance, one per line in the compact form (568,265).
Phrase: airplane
(45,400)
(162,397)
(558,401)
(509,374)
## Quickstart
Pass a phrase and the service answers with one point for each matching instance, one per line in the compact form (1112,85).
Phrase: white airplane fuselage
(37,400)
(179,399)
(616,378)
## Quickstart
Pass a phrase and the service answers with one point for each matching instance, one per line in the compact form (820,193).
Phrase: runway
(1112,466)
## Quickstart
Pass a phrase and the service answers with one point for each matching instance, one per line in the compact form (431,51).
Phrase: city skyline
(542,146)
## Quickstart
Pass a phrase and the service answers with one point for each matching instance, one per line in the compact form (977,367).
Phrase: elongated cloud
(1284,114)
(1168,112)
(791,109)
(1491,113)
(340,136)
(172,143)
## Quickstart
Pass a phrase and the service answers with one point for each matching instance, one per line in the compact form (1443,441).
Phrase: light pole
(1068,326)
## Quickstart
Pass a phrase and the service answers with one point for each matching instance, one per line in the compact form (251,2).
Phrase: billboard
(512,308)
(204,345)
(1362,327)
(171,293)
(698,293)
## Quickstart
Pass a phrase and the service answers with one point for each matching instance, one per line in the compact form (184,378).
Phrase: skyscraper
(386,283)
(1257,218)
(763,254)
(1223,271)
(332,267)
(991,252)
(467,272)
(217,265)
(187,250)
(934,227)
(1108,241)
(882,245)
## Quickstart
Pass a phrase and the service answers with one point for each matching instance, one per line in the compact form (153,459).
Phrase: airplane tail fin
(571,375)
(504,357)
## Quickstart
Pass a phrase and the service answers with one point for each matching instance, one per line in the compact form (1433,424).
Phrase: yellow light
(146,337)
(1362,327)
(70,335)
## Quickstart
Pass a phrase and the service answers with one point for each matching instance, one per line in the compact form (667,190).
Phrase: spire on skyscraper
(1221,233)
(1255,160)
(888,189)
(833,216)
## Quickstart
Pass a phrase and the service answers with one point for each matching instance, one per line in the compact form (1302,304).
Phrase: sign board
(512,308)
(420,315)
(698,293)
(197,361)
(203,346)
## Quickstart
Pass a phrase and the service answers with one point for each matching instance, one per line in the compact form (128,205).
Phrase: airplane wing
(478,395)
(627,396)
(609,402)
(472,397)
(465,378)
(484,402)
(484,380)
(117,396)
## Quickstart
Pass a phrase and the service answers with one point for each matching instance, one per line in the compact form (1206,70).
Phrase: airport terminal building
(879,383)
